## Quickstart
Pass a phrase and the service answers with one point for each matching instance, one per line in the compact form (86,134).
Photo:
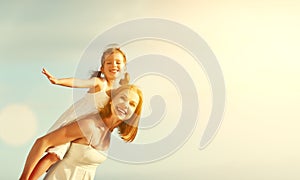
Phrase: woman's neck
(111,122)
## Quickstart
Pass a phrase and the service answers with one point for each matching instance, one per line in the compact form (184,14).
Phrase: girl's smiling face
(113,65)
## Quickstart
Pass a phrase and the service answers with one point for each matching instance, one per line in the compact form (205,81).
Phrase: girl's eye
(118,61)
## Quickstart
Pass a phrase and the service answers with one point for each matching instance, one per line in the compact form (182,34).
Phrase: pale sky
(257,47)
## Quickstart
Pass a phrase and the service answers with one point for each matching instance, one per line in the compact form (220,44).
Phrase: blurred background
(255,42)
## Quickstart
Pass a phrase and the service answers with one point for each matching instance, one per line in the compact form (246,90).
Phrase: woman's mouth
(122,111)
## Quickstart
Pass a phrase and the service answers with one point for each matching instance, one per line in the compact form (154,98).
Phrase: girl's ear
(102,75)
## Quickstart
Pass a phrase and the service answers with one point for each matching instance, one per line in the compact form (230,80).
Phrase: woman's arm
(74,82)
(60,136)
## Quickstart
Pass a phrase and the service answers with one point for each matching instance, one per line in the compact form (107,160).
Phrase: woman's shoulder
(88,125)
(88,120)
(94,121)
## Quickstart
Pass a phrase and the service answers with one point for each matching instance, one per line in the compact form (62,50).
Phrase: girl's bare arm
(74,82)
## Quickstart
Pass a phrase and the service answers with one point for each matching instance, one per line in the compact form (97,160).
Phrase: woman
(88,136)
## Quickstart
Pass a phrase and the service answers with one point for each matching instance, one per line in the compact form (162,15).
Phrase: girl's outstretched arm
(60,136)
(74,82)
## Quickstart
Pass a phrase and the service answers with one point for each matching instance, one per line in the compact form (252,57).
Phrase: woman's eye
(132,104)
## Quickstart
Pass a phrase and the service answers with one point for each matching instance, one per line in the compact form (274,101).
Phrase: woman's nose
(126,104)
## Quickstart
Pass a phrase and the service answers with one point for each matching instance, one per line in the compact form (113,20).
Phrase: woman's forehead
(129,94)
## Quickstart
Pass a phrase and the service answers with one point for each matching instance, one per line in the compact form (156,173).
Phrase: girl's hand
(51,78)
(125,80)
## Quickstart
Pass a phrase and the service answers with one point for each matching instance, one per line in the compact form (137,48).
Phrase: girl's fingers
(46,73)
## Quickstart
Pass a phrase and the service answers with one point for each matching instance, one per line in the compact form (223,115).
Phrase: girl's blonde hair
(110,51)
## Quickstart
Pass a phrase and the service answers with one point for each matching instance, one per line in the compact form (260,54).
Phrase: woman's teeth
(122,111)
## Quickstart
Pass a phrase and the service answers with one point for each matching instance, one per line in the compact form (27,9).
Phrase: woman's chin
(121,117)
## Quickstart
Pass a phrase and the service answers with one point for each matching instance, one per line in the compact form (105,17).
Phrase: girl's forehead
(115,56)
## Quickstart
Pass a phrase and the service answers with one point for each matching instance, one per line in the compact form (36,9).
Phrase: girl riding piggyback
(113,64)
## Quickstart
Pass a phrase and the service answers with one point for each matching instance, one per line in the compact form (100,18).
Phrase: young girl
(89,135)
(113,62)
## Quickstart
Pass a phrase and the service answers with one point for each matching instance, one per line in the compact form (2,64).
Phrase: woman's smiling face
(124,104)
